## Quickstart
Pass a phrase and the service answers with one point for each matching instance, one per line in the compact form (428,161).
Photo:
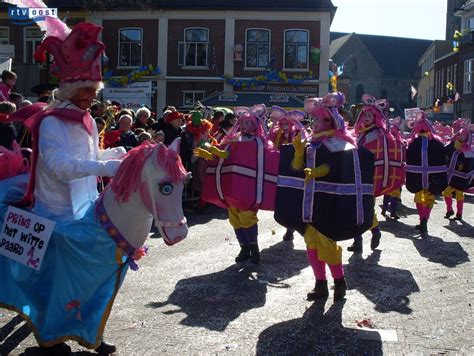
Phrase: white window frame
(468,75)
(120,42)
(193,92)
(443,85)
(182,50)
(8,35)
(284,51)
(36,41)
(269,47)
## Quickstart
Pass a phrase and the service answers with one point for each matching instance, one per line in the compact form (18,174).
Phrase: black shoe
(244,253)
(376,235)
(394,216)
(356,245)
(423,226)
(60,349)
(448,214)
(458,217)
(105,348)
(320,291)
(339,288)
(254,254)
(288,235)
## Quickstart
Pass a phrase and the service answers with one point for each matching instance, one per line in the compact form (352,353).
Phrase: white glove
(109,168)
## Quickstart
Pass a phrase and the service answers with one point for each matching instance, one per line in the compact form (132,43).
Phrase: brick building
(197,44)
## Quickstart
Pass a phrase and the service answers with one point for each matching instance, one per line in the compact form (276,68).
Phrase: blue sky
(401,18)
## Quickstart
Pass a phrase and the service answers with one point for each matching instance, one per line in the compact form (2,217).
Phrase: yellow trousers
(242,218)
(394,193)
(448,193)
(328,250)
(425,198)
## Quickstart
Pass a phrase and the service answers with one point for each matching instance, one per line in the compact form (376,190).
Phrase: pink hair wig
(128,178)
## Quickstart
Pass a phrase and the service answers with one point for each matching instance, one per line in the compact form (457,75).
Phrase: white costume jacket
(69,162)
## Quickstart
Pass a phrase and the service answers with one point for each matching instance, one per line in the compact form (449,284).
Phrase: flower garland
(268,77)
(131,77)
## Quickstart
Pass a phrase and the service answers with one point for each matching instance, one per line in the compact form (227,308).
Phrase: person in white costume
(66,155)
(69,158)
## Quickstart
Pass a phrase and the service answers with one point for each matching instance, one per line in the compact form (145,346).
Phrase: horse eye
(166,188)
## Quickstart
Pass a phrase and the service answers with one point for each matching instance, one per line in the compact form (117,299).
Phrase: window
(468,75)
(257,52)
(32,39)
(466,114)
(359,91)
(470,23)
(4,35)
(130,47)
(442,84)
(296,49)
(192,97)
(455,76)
(193,52)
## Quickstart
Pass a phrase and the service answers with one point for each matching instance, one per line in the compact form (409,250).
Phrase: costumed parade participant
(69,292)
(372,133)
(391,199)
(426,168)
(460,160)
(325,192)
(285,127)
(241,176)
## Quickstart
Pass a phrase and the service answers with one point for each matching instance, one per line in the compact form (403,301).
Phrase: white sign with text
(410,114)
(131,96)
(25,236)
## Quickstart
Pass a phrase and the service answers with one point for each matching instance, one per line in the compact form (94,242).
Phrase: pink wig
(128,178)
(327,108)
(377,108)
(422,124)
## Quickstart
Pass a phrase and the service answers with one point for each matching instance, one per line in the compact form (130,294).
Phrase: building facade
(201,48)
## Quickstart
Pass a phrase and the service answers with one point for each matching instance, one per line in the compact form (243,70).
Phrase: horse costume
(86,261)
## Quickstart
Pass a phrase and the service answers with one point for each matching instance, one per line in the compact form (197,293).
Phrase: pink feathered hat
(376,107)
(77,56)
(422,124)
(327,108)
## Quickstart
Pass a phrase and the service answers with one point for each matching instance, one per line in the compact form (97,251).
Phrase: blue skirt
(71,297)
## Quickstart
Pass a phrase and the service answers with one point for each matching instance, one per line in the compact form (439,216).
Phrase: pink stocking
(427,212)
(449,203)
(421,210)
(318,266)
(337,271)
(459,206)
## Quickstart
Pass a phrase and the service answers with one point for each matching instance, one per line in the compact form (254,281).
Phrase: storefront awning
(233,99)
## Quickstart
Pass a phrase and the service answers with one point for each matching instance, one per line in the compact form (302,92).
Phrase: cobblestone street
(414,293)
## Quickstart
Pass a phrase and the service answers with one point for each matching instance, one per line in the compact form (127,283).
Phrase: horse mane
(127,180)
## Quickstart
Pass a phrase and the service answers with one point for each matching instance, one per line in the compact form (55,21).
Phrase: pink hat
(376,107)
(78,55)
(327,109)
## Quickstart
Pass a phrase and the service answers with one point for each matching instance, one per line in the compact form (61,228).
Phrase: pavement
(413,295)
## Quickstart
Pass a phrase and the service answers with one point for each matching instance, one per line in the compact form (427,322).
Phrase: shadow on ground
(460,228)
(388,288)
(11,338)
(316,333)
(214,300)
